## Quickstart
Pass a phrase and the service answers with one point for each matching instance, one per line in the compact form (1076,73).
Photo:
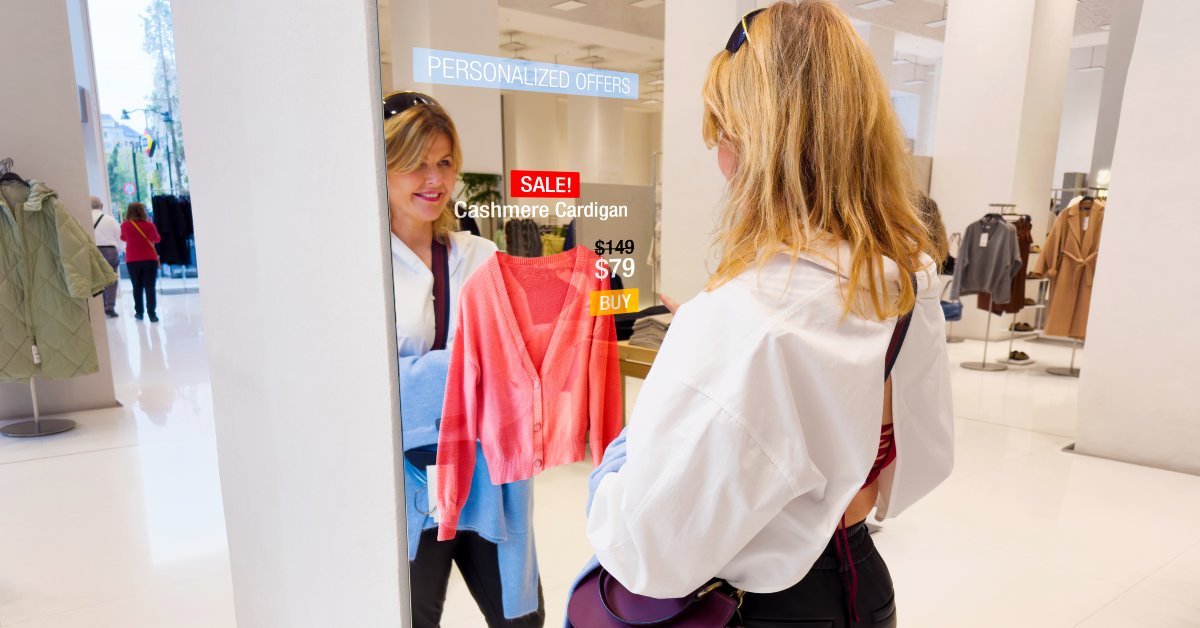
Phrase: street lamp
(168,120)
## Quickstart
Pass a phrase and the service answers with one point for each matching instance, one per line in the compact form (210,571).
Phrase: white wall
(41,131)
(1137,395)
(1126,16)
(1081,106)
(297,305)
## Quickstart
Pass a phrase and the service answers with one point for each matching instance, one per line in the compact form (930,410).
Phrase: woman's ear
(727,159)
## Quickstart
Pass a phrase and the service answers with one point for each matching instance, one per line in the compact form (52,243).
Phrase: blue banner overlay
(459,68)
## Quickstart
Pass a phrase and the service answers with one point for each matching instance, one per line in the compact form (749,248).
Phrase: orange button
(606,302)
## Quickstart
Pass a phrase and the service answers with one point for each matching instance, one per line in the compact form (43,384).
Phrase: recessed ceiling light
(875,4)
(1106,27)
(938,23)
(1090,68)
(569,5)
(645,4)
(590,59)
(657,81)
(513,45)
(899,61)
(915,81)
(650,101)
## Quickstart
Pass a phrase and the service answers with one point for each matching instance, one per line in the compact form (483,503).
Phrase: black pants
(480,568)
(819,600)
(143,275)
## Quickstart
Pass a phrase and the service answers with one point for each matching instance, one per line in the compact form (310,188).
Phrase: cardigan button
(537,464)
(537,427)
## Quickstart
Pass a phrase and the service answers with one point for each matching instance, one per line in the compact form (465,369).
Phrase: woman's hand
(669,302)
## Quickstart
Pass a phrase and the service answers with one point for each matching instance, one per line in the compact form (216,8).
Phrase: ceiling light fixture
(657,81)
(645,4)
(569,5)
(875,4)
(590,58)
(513,45)
(1091,67)
(939,23)
(899,60)
(1106,27)
(914,80)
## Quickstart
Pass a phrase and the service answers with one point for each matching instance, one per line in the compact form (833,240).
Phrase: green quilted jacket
(49,267)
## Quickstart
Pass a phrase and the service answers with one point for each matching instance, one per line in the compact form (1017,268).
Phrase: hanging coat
(49,267)
(1069,259)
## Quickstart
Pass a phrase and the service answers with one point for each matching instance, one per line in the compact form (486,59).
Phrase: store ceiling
(618,15)
(910,16)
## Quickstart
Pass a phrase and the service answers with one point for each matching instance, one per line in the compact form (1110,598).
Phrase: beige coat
(1069,259)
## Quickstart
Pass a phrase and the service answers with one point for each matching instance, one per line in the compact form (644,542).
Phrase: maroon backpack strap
(441,294)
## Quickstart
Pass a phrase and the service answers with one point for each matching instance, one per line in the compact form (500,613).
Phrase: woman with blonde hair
(431,260)
(772,422)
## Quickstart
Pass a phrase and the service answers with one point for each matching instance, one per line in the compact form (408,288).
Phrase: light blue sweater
(614,459)
(500,514)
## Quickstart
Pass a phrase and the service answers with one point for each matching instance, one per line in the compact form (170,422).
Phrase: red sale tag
(543,184)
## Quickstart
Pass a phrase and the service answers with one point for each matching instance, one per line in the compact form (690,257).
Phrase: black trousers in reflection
(477,562)
(819,600)
(143,276)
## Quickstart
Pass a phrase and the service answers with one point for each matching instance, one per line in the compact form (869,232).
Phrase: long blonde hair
(820,153)
(408,135)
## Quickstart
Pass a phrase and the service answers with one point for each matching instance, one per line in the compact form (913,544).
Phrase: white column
(999,110)
(40,129)
(1137,392)
(882,42)
(1125,19)
(596,138)
(304,392)
(470,26)
(929,107)
(692,184)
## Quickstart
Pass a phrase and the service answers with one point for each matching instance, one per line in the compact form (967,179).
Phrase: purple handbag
(601,602)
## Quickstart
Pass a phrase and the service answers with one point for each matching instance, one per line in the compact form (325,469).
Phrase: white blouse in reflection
(759,422)
(413,289)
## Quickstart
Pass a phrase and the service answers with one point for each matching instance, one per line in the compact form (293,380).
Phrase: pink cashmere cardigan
(527,421)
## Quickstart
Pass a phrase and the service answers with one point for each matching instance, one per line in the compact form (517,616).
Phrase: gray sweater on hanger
(988,260)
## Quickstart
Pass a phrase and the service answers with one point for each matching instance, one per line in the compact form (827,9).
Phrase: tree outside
(120,172)
(159,43)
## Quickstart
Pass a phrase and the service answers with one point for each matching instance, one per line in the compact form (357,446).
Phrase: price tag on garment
(1085,222)
(431,477)
(604,302)
(983,240)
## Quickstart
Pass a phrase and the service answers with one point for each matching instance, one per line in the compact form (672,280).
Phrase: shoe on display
(111,314)
(1018,356)
(1020,327)
(1035,249)
(1029,301)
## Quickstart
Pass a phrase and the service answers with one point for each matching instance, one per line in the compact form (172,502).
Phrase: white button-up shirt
(758,424)
(413,284)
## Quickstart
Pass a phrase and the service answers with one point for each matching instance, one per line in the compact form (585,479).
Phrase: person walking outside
(108,239)
(141,259)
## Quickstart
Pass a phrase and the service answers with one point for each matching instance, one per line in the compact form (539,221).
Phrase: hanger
(7,174)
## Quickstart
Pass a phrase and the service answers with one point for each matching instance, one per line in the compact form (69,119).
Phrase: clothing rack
(1007,210)
(1070,371)
(38,426)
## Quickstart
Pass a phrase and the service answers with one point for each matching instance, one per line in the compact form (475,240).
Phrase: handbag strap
(145,237)
(898,335)
(97,223)
(441,294)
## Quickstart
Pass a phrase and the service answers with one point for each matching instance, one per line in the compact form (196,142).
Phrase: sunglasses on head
(741,32)
(399,102)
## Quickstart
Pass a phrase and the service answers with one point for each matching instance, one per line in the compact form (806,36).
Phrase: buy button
(606,302)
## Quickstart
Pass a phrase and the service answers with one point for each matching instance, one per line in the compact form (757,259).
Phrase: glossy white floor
(118,524)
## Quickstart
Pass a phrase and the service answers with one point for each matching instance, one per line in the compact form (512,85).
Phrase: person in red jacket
(141,259)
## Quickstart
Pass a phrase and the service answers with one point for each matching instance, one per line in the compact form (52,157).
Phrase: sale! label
(543,184)
(604,302)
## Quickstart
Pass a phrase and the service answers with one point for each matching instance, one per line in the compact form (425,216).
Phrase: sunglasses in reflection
(399,102)
(741,32)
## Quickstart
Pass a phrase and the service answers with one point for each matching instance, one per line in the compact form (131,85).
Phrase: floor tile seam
(1140,582)
(1014,427)
(170,441)
(65,611)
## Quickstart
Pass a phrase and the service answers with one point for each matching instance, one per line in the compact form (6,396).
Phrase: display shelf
(1016,363)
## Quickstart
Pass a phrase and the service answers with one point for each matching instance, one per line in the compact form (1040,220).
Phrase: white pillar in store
(1137,393)
(929,107)
(41,130)
(1125,18)
(882,42)
(470,26)
(297,303)
(596,138)
(1000,104)
(692,184)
